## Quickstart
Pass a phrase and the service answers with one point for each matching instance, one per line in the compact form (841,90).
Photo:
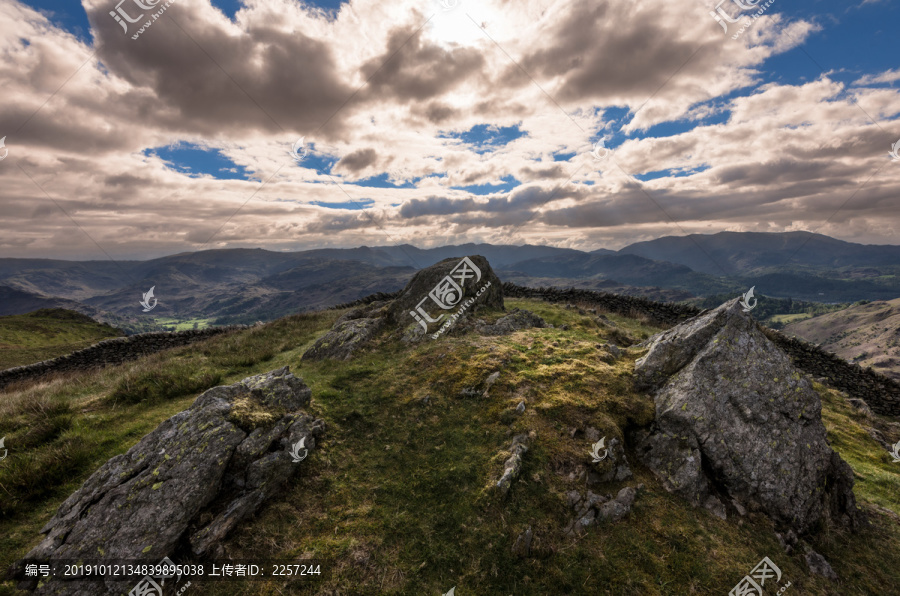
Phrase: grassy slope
(868,334)
(397,495)
(47,333)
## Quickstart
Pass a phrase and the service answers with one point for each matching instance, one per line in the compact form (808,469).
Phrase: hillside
(396,497)
(47,333)
(225,286)
(867,334)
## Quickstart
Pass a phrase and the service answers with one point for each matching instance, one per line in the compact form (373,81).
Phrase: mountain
(627,269)
(47,333)
(246,285)
(867,334)
(744,253)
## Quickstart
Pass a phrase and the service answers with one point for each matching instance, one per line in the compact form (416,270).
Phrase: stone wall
(880,392)
(111,351)
(661,313)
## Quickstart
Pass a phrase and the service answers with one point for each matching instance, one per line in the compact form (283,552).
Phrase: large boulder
(736,421)
(436,293)
(432,302)
(186,484)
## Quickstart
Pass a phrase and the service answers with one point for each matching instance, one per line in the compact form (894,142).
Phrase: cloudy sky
(136,129)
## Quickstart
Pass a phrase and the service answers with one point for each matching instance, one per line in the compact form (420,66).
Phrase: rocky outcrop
(436,292)
(512,467)
(188,483)
(111,351)
(516,320)
(431,302)
(593,508)
(349,333)
(735,420)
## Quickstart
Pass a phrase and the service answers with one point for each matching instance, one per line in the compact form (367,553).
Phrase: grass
(398,494)
(47,333)
(792,318)
(176,324)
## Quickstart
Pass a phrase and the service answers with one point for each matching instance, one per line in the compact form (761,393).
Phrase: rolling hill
(867,334)
(47,333)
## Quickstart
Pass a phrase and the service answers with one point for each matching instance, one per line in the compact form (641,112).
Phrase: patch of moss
(248,413)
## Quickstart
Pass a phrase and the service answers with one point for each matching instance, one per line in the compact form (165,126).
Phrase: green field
(47,333)
(397,494)
(174,324)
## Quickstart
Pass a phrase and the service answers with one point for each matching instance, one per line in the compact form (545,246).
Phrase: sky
(142,128)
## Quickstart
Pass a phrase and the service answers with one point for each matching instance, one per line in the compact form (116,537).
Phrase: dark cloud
(358,160)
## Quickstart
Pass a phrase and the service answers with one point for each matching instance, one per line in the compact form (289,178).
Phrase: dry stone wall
(111,351)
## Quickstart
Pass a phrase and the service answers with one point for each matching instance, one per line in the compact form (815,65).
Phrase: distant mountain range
(245,285)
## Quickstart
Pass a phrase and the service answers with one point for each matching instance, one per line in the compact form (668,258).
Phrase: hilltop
(867,334)
(47,333)
(399,493)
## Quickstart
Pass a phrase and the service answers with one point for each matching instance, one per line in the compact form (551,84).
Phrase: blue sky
(704,133)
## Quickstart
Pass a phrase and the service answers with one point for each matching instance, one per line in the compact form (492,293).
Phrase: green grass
(398,494)
(786,319)
(47,333)
(176,324)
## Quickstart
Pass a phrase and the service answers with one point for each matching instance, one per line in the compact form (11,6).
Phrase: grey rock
(573,498)
(788,540)
(730,401)
(516,320)
(489,382)
(189,481)
(819,566)
(860,406)
(425,280)
(520,409)
(715,506)
(513,465)
(614,350)
(615,467)
(344,339)
(592,434)
(596,508)
(522,546)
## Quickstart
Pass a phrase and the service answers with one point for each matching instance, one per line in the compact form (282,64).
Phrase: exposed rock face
(593,508)
(513,465)
(450,275)
(344,339)
(188,483)
(459,284)
(514,321)
(614,468)
(735,419)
